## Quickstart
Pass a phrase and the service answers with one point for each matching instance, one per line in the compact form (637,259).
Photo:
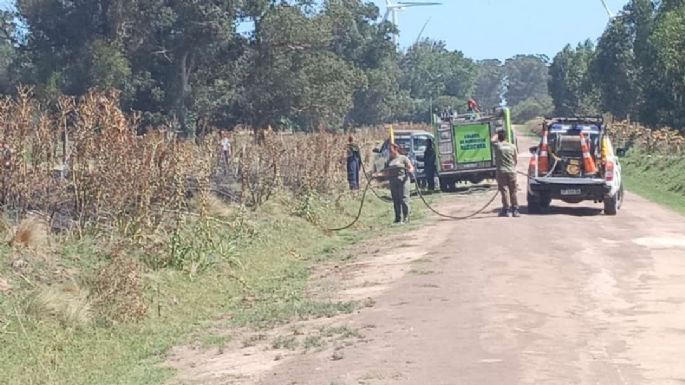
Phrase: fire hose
(419,194)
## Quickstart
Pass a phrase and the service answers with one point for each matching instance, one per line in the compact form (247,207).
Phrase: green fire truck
(464,150)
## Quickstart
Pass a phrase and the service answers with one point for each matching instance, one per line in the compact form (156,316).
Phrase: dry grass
(67,304)
(664,140)
(119,291)
(32,233)
(4,286)
(84,167)
(214,207)
(117,180)
(5,229)
(300,164)
(627,134)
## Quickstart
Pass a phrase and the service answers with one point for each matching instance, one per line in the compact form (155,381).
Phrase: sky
(499,29)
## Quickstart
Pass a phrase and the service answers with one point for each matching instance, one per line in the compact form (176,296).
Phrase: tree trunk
(182,96)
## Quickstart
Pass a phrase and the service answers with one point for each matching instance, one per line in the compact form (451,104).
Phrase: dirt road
(572,297)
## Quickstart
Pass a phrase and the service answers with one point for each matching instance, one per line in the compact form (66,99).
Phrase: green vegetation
(55,330)
(300,65)
(635,71)
(658,178)
(285,342)
(527,79)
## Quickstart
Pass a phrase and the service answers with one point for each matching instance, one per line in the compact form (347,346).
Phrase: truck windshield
(420,143)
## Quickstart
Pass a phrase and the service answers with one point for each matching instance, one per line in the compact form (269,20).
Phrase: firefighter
(399,170)
(429,167)
(354,163)
(506,158)
(472,106)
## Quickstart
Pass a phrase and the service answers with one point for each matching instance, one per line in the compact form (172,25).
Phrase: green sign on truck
(473,143)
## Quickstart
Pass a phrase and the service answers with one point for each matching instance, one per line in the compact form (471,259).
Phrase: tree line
(299,64)
(636,69)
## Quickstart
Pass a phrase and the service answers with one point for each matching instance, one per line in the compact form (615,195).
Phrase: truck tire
(534,206)
(612,204)
(545,201)
(447,185)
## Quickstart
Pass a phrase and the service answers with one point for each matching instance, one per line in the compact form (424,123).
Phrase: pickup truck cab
(567,178)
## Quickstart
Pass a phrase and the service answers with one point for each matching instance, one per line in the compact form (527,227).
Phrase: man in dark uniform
(354,163)
(399,170)
(506,158)
(429,164)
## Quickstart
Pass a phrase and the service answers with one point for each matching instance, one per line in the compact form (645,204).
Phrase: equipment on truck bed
(574,162)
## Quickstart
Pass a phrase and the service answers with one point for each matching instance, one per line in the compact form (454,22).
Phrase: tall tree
(171,38)
(614,70)
(362,41)
(7,50)
(572,91)
(430,71)
(488,83)
(665,97)
(528,76)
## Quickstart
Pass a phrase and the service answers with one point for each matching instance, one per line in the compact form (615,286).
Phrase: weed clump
(31,233)
(68,304)
(119,291)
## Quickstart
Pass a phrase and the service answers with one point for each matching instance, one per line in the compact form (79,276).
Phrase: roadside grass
(658,178)
(260,286)
(214,341)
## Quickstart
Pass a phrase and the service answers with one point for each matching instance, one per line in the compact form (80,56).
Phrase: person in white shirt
(225,144)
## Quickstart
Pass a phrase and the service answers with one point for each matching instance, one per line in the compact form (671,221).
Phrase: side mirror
(620,152)
(376,150)
(533,150)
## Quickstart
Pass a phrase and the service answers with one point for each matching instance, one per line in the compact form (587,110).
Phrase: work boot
(515,212)
(504,212)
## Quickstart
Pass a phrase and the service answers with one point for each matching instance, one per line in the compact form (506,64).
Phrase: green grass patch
(656,177)
(253,275)
(214,341)
(285,342)
(314,342)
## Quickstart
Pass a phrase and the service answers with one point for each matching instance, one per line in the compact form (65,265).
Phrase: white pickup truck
(567,178)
